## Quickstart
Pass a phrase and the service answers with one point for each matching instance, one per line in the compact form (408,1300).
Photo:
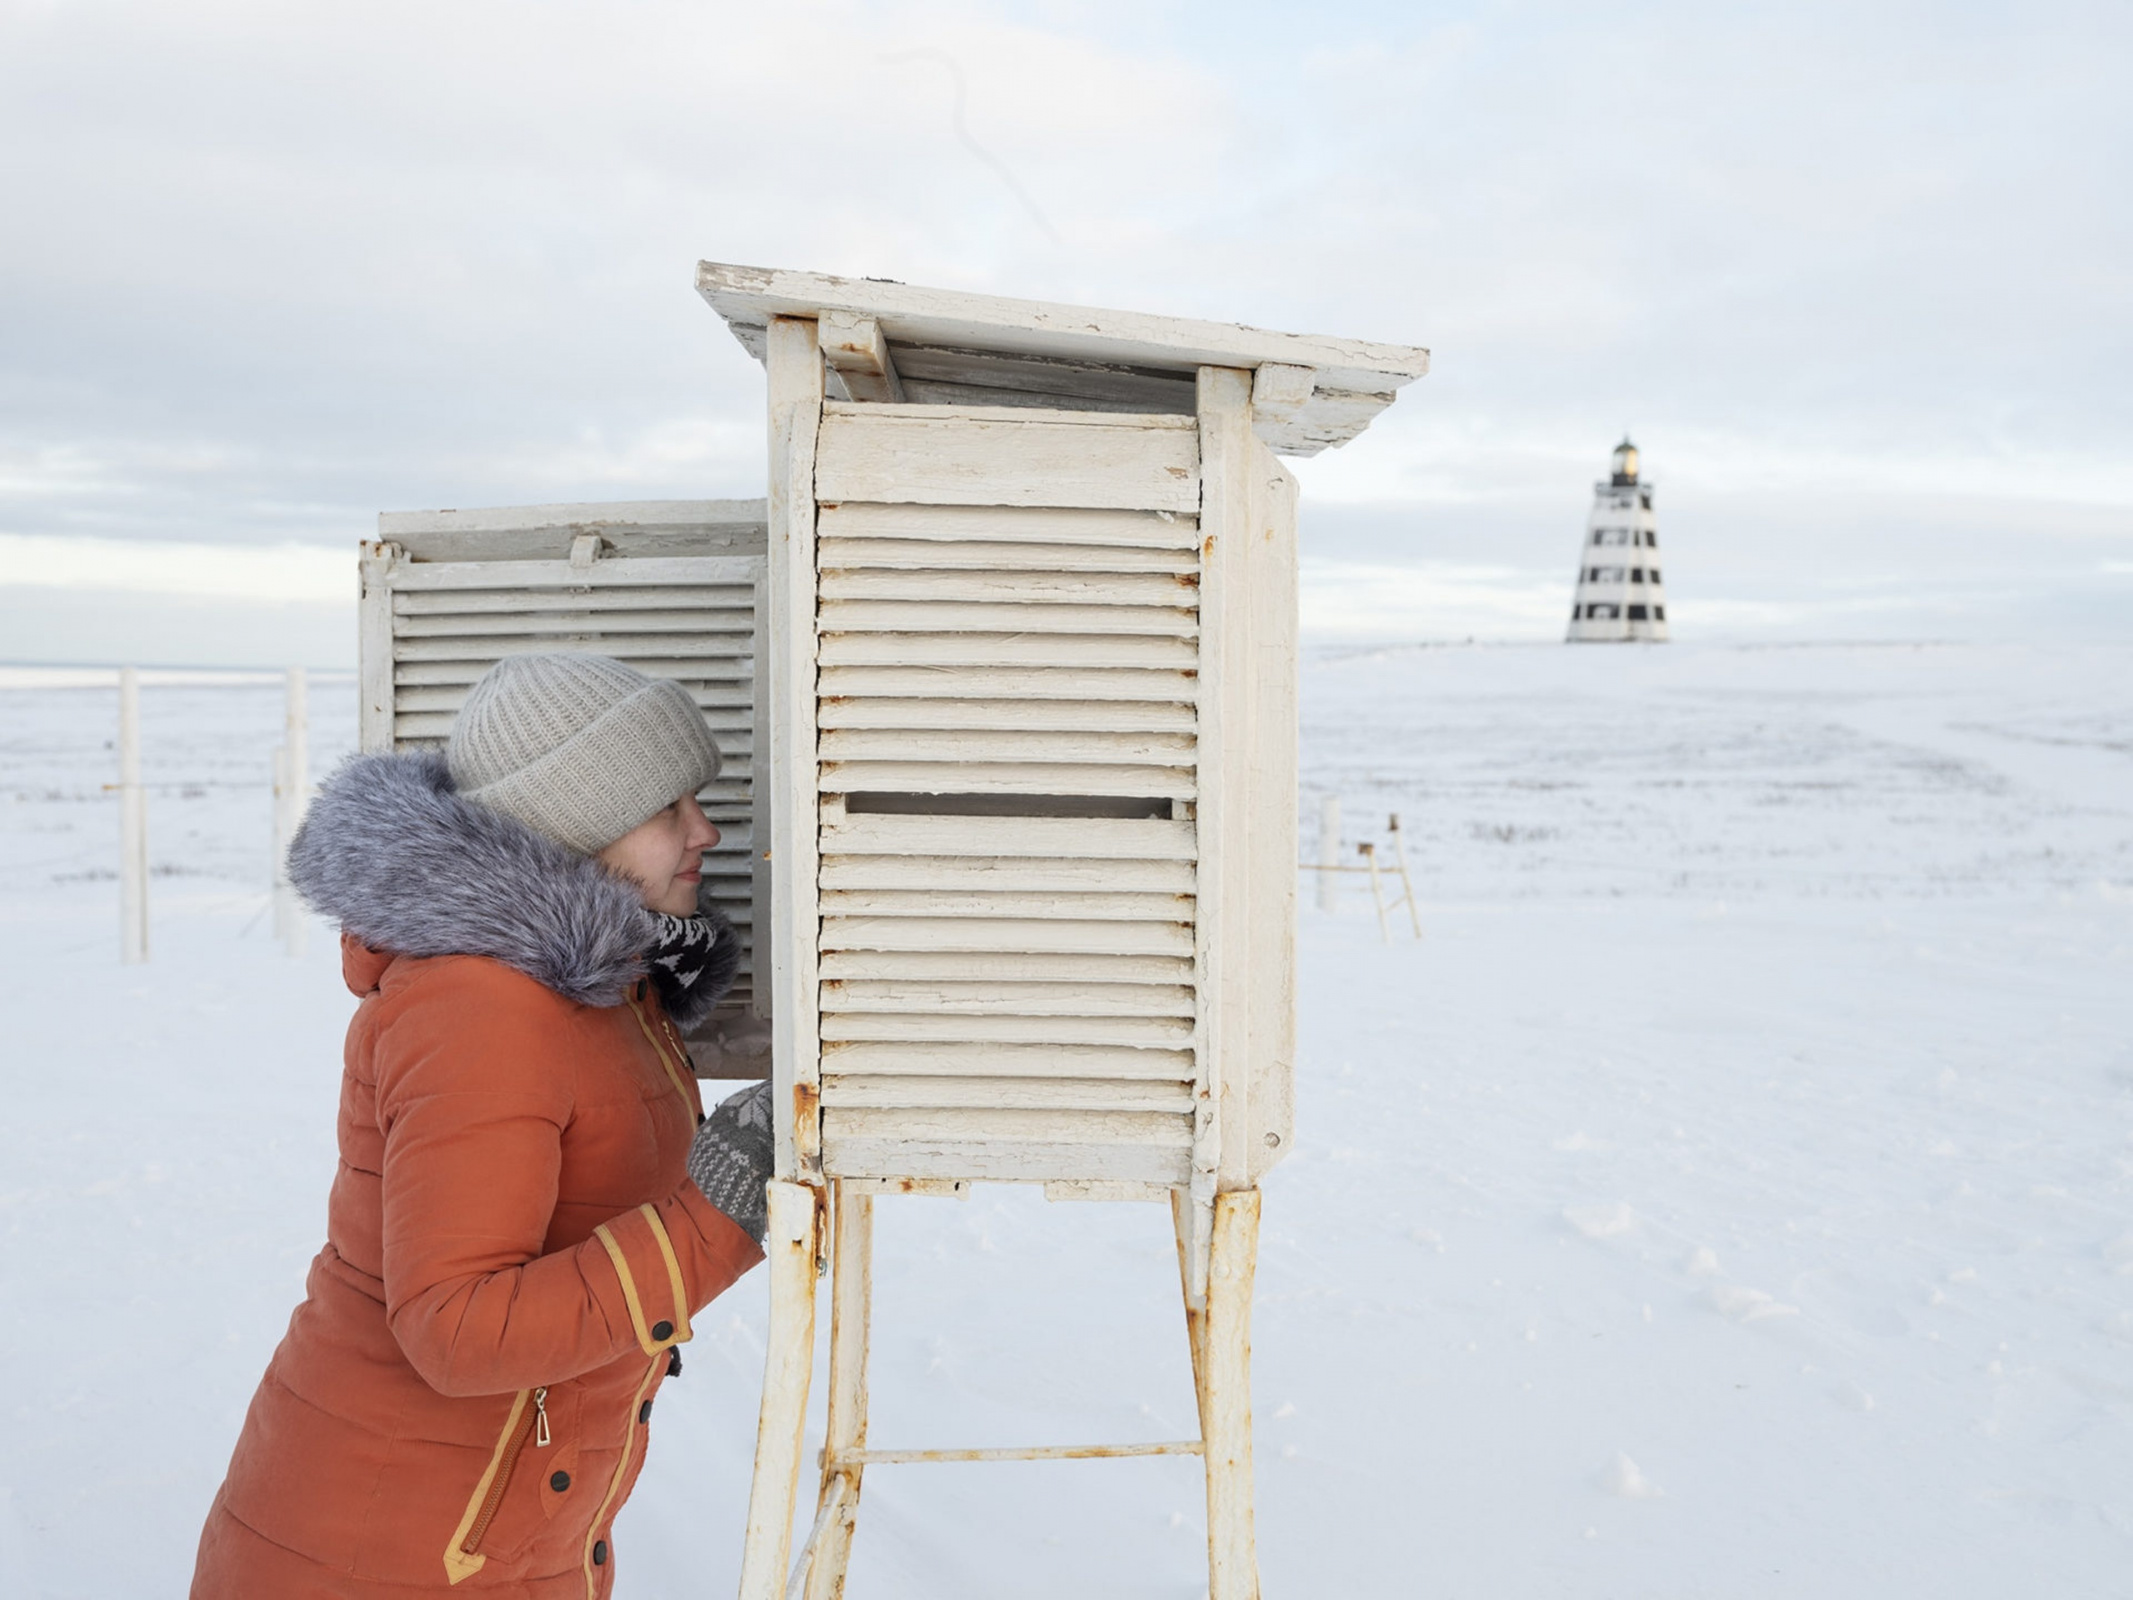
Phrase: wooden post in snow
(1377,888)
(292,795)
(1329,852)
(133,825)
(1407,883)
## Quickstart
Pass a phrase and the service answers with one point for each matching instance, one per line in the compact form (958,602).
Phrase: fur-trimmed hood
(394,853)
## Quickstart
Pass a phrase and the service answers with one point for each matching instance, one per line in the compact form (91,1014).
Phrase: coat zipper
(659,1049)
(533,1422)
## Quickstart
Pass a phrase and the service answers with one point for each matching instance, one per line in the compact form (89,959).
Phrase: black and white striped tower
(1619,596)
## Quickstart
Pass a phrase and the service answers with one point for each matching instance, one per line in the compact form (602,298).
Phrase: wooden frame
(1031,643)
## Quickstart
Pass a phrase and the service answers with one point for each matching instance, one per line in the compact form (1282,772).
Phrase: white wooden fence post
(133,825)
(292,794)
(1329,851)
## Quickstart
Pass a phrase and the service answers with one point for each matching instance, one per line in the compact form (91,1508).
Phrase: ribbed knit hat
(580,748)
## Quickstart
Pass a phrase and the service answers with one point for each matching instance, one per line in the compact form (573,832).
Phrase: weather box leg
(791,1244)
(851,1308)
(1181,1210)
(1226,1399)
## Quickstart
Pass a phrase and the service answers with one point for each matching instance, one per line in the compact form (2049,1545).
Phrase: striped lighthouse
(1619,594)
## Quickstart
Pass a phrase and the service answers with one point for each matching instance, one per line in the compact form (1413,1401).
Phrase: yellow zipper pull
(540,1418)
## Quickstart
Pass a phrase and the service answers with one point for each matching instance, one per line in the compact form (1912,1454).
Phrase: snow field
(1732,1193)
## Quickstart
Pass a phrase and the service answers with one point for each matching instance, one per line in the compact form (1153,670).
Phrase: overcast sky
(1858,277)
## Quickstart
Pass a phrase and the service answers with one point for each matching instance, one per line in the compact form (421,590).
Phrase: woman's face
(663,856)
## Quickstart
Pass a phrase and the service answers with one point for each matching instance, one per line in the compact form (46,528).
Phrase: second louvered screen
(691,619)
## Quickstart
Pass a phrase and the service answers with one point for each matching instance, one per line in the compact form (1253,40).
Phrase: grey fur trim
(393,852)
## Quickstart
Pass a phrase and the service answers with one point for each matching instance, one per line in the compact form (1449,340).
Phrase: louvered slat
(1095,716)
(986,837)
(714,680)
(841,1090)
(1027,588)
(1036,968)
(722,600)
(1007,649)
(1081,907)
(1009,1060)
(977,998)
(1075,526)
(1174,1033)
(705,625)
(1034,936)
(972,777)
(1007,874)
(839,556)
(705,656)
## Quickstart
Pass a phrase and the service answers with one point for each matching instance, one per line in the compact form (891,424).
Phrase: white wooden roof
(945,346)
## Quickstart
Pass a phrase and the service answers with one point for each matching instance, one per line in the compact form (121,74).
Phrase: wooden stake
(851,1306)
(1407,884)
(1226,1398)
(791,1244)
(133,825)
(1329,852)
(1377,888)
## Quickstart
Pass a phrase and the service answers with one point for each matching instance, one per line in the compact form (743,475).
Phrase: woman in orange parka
(530,1204)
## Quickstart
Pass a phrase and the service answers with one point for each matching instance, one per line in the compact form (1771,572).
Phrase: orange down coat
(514,1249)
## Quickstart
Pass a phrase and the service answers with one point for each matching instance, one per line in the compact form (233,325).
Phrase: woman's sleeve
(474,1090)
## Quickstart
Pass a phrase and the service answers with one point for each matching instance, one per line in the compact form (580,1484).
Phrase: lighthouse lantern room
(1619,595)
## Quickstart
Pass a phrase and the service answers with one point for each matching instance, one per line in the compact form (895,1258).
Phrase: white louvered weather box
(1030,780)
(674,588)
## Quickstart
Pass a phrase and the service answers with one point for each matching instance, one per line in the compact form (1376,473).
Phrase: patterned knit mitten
(731,1159)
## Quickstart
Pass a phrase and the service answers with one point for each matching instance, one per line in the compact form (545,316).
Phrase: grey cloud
(269,270)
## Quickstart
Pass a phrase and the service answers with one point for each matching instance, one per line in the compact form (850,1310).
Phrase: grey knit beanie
(580,748)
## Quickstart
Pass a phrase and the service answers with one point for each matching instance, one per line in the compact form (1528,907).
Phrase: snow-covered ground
(1730,1195)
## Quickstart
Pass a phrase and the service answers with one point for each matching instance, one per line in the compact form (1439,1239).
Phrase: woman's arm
(475,1075)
